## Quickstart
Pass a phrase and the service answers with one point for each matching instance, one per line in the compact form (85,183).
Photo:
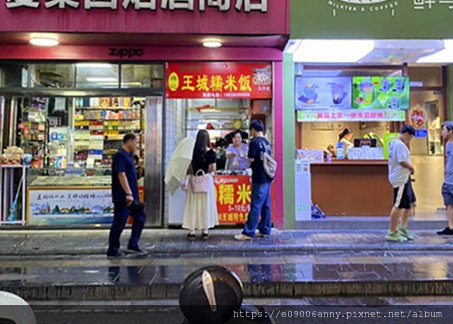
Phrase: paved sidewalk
(86,242)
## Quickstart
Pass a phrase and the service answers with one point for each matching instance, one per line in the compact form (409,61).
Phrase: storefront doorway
(71,140)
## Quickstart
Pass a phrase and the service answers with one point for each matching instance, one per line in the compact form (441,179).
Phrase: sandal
(191,237)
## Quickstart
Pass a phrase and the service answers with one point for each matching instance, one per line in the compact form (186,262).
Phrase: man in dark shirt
(125,194)
(261,187)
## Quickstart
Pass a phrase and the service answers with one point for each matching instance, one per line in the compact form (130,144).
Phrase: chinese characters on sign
(189,5)
(233,196)
(429,4)
(219,80)
(67,204)
(351,115)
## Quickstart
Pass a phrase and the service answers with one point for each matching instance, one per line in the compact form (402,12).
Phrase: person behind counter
(346,137)
(237,153)
(200,212)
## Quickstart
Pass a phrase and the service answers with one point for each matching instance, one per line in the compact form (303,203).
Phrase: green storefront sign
(371,19)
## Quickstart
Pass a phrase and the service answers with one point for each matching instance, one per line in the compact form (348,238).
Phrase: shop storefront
(68,106)
(365,71)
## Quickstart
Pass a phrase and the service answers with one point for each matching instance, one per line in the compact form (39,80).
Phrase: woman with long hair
(201,208)
(346,137)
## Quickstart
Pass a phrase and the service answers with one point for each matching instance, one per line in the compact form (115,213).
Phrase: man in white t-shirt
(400,171)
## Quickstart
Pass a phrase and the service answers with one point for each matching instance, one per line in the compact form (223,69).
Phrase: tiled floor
(85,242)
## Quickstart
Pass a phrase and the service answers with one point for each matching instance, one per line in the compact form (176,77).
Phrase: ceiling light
(44,41)
(212,43)
(332,51)
(94,65)
(102,79)
(443,56)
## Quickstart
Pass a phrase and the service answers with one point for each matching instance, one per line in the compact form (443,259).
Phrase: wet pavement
(264,274)
(72,266)
(85,242)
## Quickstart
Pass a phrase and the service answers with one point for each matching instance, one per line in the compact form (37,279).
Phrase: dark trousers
(120,217)
(260,210)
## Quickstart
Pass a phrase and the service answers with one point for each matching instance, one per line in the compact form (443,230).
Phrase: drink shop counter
(352,187)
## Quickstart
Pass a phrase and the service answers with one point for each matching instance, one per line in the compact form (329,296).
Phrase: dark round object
(228,293)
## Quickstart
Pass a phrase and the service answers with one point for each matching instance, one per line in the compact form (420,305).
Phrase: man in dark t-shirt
(125,198)
(259,217)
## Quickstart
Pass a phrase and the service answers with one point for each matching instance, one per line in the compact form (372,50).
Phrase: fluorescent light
(102,79)
(212,43)
(94,65)
(44,41)
(443,56)
(332,51)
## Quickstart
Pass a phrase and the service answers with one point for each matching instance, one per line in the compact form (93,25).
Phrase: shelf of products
(33,128)
(100,125)
(71,181)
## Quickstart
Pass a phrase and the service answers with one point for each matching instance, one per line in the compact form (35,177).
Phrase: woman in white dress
(201,208)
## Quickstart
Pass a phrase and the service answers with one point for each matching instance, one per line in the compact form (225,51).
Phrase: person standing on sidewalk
(259,217)
(400,171)
(125,198)
(201,212)
(447,188)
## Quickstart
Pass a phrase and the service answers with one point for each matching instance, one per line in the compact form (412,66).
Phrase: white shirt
(346,146)
(398,152)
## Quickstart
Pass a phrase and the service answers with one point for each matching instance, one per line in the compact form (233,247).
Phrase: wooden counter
(352,188)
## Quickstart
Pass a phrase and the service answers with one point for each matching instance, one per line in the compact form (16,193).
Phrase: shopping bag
(200,182)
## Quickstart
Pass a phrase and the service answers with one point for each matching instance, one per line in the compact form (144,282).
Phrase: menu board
(380,92)
(323,92)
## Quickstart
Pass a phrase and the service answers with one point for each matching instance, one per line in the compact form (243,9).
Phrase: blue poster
(323,93)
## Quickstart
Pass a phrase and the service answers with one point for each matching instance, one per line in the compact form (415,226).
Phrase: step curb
(251,290)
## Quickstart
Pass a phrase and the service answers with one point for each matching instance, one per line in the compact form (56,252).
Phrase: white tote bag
(200,182)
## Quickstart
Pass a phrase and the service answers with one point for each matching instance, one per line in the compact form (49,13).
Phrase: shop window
(142,76)
(10,75)
(97,75)
(50,75)
(426,76)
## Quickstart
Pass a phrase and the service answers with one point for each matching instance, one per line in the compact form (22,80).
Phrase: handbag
(200,182)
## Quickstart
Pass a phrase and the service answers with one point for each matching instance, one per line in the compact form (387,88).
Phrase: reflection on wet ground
(267,274)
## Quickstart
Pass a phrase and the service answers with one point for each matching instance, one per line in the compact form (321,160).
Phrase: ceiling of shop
(186,40)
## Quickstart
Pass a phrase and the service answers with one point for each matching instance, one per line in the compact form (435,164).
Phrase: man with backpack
(259,220)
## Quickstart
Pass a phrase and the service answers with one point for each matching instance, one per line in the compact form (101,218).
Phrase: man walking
(125,198)
(400,170)
(261,187)
(447,188)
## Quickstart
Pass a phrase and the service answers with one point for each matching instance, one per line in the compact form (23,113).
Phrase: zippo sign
(146,16)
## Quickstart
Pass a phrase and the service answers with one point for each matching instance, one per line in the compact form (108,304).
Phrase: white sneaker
(242,237)
(261,235)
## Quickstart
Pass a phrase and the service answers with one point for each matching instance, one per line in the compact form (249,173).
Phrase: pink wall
(101,53)
(212,21)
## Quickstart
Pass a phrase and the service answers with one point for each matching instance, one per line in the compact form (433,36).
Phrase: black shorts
(404,196)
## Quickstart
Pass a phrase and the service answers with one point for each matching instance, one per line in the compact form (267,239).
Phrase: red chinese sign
(233,195)
(219,80)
